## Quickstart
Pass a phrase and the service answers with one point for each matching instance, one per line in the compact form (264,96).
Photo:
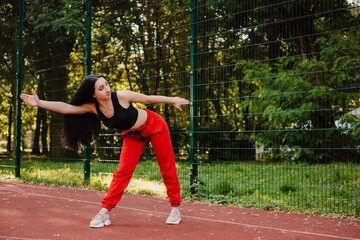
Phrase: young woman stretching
(94,101)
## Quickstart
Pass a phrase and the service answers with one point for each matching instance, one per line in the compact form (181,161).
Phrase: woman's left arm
(150,99)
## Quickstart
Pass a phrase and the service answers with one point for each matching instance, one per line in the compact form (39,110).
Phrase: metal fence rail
(270,83)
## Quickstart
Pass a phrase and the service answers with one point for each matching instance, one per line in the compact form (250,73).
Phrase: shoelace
(173,213)
(99,216)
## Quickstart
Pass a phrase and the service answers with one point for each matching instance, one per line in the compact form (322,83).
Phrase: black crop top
(123,118)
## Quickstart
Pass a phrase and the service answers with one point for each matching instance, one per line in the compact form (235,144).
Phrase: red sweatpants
(155,129)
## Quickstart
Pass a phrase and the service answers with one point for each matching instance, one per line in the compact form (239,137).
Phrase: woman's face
(102,89)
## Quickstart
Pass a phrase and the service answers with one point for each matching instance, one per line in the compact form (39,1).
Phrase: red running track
(30,211)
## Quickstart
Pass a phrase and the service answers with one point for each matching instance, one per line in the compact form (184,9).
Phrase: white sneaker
(100,220)
(174,217)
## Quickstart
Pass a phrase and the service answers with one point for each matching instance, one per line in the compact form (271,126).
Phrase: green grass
(324,189)
(331,189)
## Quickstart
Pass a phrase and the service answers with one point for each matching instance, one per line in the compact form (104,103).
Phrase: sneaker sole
(173,223)
(103,224)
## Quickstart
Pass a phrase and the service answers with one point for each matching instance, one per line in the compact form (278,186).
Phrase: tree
(52,28)
(8,50)
(300,106)
(301,78)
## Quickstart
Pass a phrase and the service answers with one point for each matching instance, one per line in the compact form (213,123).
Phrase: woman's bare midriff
(142,116)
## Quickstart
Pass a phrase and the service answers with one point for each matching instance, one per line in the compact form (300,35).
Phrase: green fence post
(193,93)
(87,72)
(19,78)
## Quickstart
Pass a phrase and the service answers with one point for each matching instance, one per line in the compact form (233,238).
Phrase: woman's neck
(106,107)
(105,104)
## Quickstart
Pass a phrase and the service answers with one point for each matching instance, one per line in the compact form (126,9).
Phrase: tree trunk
(36,143)
(306,43)
(8,146)
(273,44)
(41,121)
(56,91)
(44,130)
(13,80)
(36,146)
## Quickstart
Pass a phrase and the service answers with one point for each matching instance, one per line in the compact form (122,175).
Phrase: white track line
(20,238)
(191,217)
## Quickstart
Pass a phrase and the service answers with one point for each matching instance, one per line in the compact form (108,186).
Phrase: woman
(94,101)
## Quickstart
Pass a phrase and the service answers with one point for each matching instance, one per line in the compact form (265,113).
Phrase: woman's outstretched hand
(32,100)
(180,101)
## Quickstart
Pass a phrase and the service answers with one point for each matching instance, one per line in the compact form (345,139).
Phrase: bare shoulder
(123,93)
(124,97)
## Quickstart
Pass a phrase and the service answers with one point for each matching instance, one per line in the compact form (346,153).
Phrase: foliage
(55,17)
(8,14)
(300,104)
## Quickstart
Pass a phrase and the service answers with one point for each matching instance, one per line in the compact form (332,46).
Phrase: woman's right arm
(60,107)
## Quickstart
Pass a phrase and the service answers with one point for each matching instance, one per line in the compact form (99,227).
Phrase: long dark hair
(81,129)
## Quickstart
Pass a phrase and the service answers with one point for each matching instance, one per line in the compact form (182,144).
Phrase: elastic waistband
(137,133)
